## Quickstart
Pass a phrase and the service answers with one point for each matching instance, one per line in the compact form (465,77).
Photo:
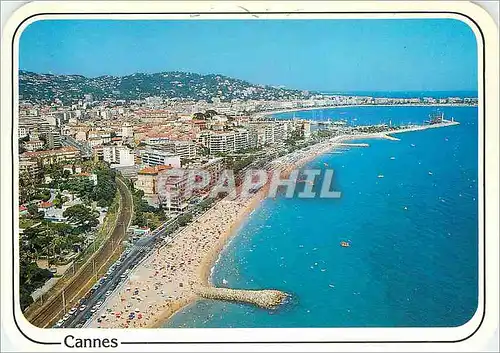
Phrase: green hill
(181,85)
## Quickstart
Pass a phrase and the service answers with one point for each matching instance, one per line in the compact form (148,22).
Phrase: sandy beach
(163,283)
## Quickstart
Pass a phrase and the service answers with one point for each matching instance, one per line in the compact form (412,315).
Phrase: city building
(162,189)
(127,131)
(185,149)
(48,157)
(117,156)
(29,168)
(155,157)
(241,139)
(33,145)
(53,138)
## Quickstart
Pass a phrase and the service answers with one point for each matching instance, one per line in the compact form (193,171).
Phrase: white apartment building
(118,156)
(307,129)
(267,132)
(221,142)
(185,149)
(225,141)
(22,131)
(241,139)
(155,157)
(127,131)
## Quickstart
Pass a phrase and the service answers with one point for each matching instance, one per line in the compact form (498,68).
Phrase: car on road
(98,304)
(65,317)
(107,293)
(94,309)
(72,311)
(81,300)
(82,307)
(59,323)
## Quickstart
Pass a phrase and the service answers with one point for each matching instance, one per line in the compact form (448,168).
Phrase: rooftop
(154,170)
(50,152)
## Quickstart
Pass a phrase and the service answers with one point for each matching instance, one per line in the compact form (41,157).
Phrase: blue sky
(332,55)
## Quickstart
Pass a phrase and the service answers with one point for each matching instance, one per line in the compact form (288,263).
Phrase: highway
(136,252)
(60,303)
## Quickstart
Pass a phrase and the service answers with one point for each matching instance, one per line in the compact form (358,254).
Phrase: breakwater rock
(267,298)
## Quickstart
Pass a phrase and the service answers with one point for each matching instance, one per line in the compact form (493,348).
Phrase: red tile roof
(154,170)
(46,204)
(50,152)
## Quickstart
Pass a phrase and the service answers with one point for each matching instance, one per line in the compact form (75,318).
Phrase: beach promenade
(178,273)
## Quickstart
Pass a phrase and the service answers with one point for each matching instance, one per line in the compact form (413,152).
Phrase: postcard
(228,175)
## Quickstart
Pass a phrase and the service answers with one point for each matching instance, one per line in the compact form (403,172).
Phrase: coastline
(264,114)
(175,268)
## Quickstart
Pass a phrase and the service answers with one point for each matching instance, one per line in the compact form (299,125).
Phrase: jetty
(267,298)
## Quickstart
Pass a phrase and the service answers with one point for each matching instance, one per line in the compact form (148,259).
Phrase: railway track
(59,304)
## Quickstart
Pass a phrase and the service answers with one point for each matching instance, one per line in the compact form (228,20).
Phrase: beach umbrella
(137,310)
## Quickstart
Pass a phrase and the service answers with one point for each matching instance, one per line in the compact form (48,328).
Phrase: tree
(210,113)
(184,219)
(82,217)
(33,211)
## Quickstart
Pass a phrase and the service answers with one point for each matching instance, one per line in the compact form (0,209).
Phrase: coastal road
(60,303)
(129,259)
(106,285)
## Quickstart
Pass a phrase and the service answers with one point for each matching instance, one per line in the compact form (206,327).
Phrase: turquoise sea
(413,259)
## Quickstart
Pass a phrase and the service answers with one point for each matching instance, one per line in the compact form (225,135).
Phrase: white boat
(224,281)
(380,176)
(430,173)
(393,158)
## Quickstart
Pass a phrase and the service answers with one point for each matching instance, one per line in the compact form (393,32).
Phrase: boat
(430,173)
(412,145)
(380,176)
(393,158)
(224,281)
(345,244)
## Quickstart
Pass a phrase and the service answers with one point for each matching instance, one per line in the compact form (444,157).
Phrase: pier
(267,298)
